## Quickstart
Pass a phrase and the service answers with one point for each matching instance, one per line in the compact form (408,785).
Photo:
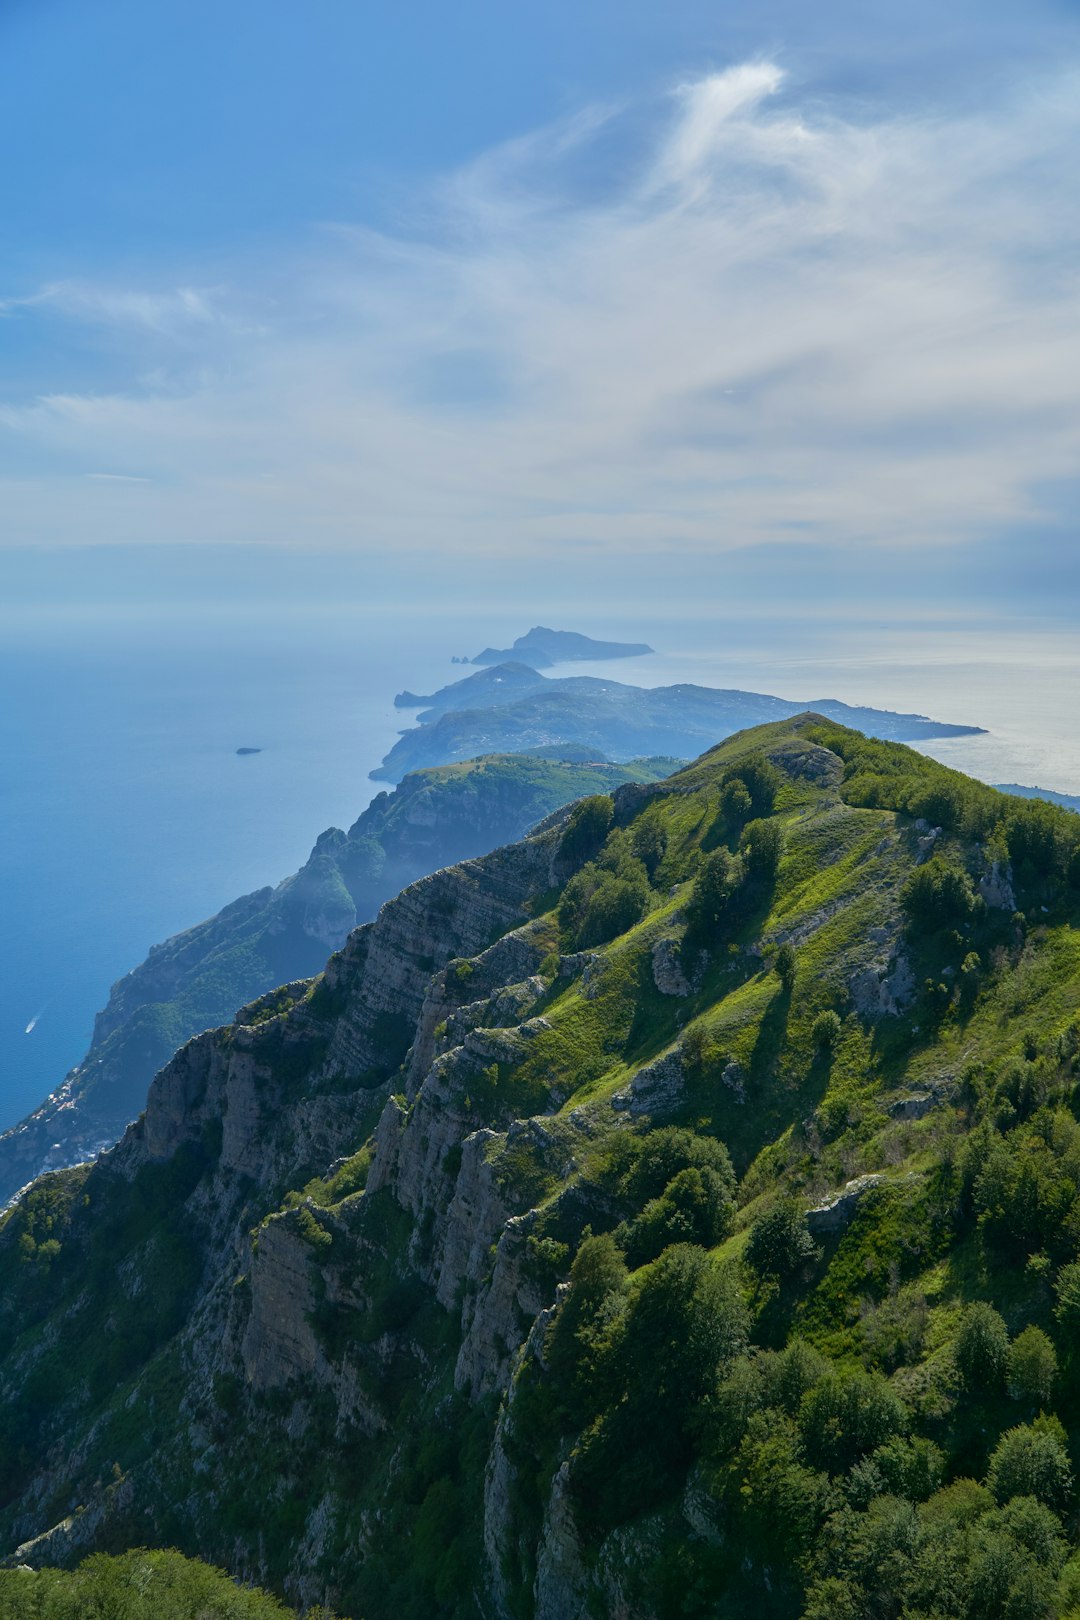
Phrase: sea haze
(128,814)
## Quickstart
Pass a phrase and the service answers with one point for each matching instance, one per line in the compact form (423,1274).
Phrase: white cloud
(708,109)
(161,312)
(778,324)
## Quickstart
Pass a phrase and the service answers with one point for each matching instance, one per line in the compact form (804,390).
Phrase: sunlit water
(127,813)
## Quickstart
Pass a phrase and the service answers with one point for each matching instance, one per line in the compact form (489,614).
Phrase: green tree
(736,805)
(684,1321)
(762,844)
(780,1240)
(982,1348)
(1031,1460)
(576,1338)
(786,966)
(847,1415)
(938,895)
(1032,1367)
(825,1032)
(662,1153)
(710,899)
(650,843)
(587,826)
(1067,1308)
(696,1207)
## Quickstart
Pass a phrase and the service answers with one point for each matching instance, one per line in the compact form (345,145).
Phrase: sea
(128,813)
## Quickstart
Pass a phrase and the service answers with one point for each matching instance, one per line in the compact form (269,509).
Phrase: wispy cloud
(763,322)
(173,310)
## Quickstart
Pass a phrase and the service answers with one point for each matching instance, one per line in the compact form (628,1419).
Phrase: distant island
(540,648)
(514,709)
(1067,801)
(249,750)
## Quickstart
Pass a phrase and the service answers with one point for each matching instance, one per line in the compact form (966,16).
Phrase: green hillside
(137,1586)
(674,1214)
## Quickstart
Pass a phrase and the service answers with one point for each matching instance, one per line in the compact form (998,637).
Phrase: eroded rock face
(655,1090)
(279,1342)
(884,991)
(562,1579)
(996,886)
(668,975)
(835,1211)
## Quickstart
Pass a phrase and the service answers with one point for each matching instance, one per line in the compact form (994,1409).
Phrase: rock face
(655,1090)
(197,979)
(996,886)
(230,1104)
(668,975)
(836,1211)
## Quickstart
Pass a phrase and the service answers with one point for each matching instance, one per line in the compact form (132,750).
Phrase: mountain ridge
(618,1222)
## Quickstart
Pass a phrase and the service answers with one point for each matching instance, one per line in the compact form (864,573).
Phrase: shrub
(825,1032)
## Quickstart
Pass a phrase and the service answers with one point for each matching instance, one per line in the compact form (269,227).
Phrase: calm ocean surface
(128,815)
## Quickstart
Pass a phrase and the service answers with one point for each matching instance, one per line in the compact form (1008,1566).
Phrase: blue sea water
(128,815)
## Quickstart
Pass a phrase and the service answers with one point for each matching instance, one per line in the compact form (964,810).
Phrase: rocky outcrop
(563,1585)
(667,970)
(885,986)
(996,886)
(655,1090)
(279,1342)
(835,1211)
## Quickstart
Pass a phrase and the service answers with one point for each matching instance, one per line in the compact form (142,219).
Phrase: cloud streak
(742,320)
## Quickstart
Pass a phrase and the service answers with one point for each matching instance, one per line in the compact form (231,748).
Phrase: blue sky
(502,286)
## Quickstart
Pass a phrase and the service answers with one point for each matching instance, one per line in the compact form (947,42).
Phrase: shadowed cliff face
(322,1301)
(197,979)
